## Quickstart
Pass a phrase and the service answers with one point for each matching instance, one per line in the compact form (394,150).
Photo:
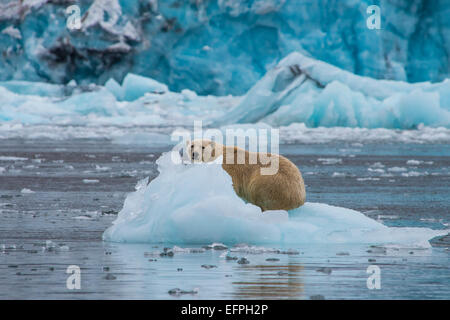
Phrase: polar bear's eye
(203,148)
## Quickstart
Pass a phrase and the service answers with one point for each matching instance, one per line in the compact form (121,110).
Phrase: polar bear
(283,189)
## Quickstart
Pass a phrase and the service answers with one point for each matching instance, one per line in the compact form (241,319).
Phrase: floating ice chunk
(414,174)
(90,181)
(25,190)
(51,246)
(134,87)
(85,217)
(330,160)
(100,168)
(216,246)
(368,179)
(377,165)
(414,162)
(397,169)
(417,162)
(339,174)
(9,158)
(196,204)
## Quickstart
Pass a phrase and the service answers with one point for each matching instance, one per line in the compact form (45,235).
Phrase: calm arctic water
(79,185)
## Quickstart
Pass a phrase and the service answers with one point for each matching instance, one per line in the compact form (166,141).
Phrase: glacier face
(219,47)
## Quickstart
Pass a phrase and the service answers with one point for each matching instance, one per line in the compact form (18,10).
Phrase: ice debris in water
(196,204)
(216,246)
(26,191)
(51,246)
(179,292)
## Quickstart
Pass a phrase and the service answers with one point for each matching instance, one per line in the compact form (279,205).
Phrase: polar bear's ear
(188,142)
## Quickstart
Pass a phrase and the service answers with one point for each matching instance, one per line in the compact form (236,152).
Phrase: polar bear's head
(203,150)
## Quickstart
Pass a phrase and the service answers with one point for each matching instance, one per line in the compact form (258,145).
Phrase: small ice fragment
(338,174)
(330,160)
(26,191)
(178,292)
(414,174)
(216,246)
(8,158)
(90,181)
(377,165)
(397,169)
(413,162)
(100,168)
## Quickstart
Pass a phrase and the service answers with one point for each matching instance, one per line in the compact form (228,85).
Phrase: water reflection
(269,282)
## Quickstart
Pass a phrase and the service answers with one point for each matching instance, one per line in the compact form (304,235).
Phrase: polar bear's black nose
(195,155)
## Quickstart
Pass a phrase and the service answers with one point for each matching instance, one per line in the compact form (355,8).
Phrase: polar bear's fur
(282,190)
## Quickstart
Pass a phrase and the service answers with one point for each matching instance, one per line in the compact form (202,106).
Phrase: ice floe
(196,204)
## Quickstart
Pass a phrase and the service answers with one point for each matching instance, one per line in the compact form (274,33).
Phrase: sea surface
(57,197)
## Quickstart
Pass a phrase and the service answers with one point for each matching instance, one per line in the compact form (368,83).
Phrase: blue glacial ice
(304,90)
(219,47)
(196,204)
(298,89)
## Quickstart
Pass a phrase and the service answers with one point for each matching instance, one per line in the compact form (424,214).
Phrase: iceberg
(196,204)
(304,90)
(134,87)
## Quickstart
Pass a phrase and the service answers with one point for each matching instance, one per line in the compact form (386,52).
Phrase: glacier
(219,47)
(297,95)
(196,204)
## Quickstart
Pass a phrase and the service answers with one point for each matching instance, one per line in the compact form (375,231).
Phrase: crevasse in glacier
(219,47)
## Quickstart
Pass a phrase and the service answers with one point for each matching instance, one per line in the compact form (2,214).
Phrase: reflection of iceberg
(195,203)
(301,89)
